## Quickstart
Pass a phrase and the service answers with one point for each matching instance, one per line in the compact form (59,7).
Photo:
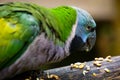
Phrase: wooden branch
(95,73)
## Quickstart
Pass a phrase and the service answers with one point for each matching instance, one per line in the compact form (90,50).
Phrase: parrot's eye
(89,28)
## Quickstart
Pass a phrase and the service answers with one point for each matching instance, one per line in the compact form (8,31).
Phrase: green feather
(15,36)
(55,22)
(65,17)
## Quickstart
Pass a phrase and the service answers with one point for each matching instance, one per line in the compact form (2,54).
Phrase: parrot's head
(85,33)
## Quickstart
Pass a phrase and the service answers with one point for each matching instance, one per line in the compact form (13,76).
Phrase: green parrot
(32,35)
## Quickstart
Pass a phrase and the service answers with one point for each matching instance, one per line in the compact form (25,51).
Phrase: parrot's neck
(70,38)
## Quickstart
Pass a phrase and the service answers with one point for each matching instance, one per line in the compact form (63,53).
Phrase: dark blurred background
(107,16)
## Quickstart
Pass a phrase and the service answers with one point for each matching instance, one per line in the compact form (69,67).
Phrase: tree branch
(95,73)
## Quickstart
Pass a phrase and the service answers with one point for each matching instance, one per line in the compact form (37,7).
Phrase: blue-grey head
(85,34)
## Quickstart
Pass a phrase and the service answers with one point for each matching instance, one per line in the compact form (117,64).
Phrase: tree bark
(95,73)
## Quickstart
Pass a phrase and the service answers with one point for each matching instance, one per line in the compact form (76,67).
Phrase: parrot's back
(20,23)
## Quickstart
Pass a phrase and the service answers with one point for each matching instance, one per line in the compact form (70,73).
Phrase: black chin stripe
(76,44)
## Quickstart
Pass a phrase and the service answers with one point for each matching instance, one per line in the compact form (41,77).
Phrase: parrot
(32,35)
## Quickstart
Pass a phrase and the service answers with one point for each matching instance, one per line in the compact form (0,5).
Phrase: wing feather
(16,33)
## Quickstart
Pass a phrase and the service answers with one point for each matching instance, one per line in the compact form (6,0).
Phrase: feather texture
(15,20)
